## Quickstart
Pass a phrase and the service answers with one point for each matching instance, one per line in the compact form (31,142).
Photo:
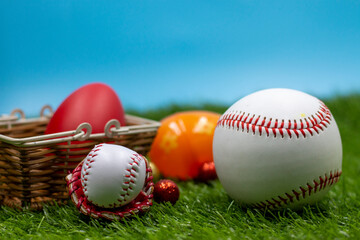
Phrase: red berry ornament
(166,191)
(207,172)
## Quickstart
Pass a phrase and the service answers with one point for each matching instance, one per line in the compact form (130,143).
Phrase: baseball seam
(86,207)
(90,158)
(130,178)
(242,121)
(302,192)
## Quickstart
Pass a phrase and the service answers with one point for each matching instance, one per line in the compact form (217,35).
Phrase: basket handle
(18,111)
(113,127)
(78,134)
(109,130)
(44,108)
(79,131)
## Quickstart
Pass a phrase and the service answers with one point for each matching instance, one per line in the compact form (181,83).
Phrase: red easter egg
(95,103)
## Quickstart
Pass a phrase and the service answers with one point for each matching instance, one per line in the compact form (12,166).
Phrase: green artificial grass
(204,211)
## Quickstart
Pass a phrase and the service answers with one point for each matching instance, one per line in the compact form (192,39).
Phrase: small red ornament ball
(166,191)
(207,172)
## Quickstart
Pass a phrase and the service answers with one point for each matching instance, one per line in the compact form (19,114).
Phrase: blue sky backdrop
(158,52)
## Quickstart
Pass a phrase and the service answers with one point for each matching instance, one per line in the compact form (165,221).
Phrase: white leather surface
(110,176)
(254,168)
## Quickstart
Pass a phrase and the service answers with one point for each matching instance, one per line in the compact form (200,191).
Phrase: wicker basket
(33,166)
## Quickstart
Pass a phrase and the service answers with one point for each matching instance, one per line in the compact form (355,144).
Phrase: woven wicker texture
(33,172)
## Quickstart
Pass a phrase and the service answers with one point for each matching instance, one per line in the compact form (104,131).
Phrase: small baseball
(112,175)
(277,148)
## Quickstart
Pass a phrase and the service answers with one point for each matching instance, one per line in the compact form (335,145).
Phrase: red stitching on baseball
(302,193)
(142,202)
(311,188)
(88,161)
(284,200)
(290,197)
(277,127)
(129,184)
(132,177)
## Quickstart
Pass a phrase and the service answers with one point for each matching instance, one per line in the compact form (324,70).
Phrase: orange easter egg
(183,143)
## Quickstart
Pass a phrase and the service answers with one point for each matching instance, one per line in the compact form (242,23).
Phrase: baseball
(112,175)
(277,148)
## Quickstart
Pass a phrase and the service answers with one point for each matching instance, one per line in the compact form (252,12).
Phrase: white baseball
(277,148)
(112,175)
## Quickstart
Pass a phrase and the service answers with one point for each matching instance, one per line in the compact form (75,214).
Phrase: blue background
(158,52)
